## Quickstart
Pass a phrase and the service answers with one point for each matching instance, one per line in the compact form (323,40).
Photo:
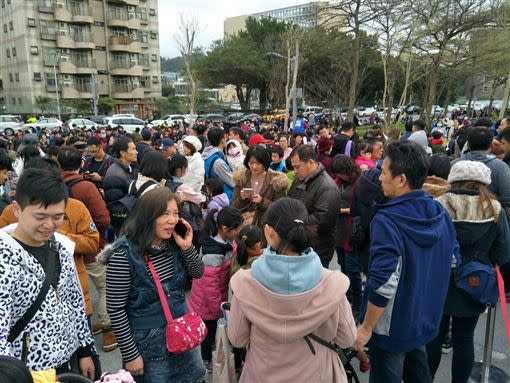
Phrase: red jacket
(86,192)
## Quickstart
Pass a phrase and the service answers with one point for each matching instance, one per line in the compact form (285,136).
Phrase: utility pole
(56,85)
(94,93)
(295,68)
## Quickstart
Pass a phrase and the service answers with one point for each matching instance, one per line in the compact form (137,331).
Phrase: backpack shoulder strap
(71,183)
(209,172)
(144,187)
(103,163)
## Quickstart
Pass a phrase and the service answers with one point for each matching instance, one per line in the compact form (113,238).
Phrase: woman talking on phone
(256,186)
(153,230)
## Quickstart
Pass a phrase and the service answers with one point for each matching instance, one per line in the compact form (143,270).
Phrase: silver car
(9,124)
(50,123)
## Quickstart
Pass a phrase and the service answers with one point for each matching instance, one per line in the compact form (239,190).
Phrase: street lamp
(55,61)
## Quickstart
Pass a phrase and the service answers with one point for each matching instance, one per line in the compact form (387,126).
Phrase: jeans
(159,365)
(463,357)
(353,272)
(97,274)
(393,367)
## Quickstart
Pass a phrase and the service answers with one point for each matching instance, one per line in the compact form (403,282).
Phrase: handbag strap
(161,293)
(22,322)
(501,288)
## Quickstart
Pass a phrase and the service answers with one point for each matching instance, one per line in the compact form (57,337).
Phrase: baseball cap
(166,143)
(257,139)
(27,140)
(146,134)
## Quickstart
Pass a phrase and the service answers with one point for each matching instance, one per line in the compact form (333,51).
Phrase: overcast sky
(210,15)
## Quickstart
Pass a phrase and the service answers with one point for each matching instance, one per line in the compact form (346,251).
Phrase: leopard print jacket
(60,326)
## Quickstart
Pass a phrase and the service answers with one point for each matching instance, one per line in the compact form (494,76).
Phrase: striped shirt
(118,285)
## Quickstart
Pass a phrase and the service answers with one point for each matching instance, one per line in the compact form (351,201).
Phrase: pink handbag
(182,334)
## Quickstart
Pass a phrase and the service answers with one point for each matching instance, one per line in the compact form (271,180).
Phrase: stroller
(345,355)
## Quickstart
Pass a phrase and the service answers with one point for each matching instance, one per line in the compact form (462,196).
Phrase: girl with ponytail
(286,296)
(249,247)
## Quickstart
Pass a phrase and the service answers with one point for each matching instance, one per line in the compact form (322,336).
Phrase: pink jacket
(272,327)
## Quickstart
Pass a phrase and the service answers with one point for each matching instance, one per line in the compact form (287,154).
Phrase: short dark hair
(410,159)
(277,150)
(94,141)
(200,128)
(178,161)
(5,161)
(484,121)
(52,150)
(69,158)
(439,165)
(40,187)
(419,124)
(190,147)
(505,134)
(14,370)
(304,153)
(121,144)
(214,185)
(348,125)
(238,131)
(154,165)
(260,154)
(480,138)
(44,163)
(345,165)
(215,135)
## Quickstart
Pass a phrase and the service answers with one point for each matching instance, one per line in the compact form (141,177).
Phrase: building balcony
(122,19)
(51,87)
(46,6)
(77,66)
(126,2)
(76,41)
(127,91)
(48,35)
(125,68)
(74,13)
(77,90)
(125,44)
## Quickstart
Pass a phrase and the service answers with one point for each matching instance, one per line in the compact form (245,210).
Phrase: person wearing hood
(483,234)
(412,243)
(436,183)
(316,189)
(257,186)
(214,160)
(234,154)
(479,143)
(194,176)
(286,296)
(218,199)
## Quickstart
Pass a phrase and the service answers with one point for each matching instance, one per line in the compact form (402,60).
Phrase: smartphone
(249,191)
(181,229)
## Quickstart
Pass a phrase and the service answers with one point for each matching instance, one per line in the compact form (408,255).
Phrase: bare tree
(185,39)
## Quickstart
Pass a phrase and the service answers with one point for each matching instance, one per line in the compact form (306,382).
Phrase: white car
(171,119)
(80,123)
(128,123)
(50,123)
(367,112)
(9,124)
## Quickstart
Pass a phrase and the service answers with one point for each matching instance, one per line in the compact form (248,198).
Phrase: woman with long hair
(132,299)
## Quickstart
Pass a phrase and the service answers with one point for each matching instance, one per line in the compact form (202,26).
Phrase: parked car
(9,124)
(214,117)
(49,123)
(170,119)
(128,123)
(80,123)
(97,119)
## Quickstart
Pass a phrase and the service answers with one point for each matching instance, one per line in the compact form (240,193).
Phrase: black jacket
(321,197)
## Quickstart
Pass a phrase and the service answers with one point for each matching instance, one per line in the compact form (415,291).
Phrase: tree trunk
(263,95)
(295,67)
(504,106)
(241,98)
(403,96)
(385,91)
(354,74)
(287,96)
(431,94)
(493,91)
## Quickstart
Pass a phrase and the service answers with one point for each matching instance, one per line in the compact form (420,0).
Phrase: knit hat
(324,144)
(193,141)
(470,171)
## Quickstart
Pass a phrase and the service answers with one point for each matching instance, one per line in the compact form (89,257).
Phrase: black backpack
(70,184)
(121,208)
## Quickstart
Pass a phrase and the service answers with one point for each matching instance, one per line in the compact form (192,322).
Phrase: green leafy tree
(43,102)
(105,105)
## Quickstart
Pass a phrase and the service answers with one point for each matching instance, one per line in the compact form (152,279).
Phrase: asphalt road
(111,361)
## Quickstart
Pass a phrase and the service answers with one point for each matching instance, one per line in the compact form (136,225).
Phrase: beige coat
(272,326)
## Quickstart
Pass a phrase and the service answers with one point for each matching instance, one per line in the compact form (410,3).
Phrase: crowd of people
(253,215)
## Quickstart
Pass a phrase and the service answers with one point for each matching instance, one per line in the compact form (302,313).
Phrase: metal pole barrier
(483,372)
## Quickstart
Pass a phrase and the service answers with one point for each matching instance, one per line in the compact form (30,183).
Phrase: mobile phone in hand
(181,229)
(248,191)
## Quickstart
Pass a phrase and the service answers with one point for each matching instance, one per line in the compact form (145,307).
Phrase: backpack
(121,208)
(478,281)
(209,172)
(70,184)
(192,213)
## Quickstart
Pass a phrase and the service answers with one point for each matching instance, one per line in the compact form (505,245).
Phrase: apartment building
(79,48)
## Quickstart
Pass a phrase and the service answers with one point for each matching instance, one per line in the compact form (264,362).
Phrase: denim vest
(143,307)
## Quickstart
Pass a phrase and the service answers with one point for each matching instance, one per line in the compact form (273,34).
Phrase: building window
(98,24)
(31,22)
(8,1)
(152,12)
(37,76)
(143,36)
(100,48)
(13,52)
(8,52)
(11,26)
(14,101)
(17,77)
(20,101)
(5,28)
(154,35)
(11,77)
(155,79)
(34,50)
(3,3)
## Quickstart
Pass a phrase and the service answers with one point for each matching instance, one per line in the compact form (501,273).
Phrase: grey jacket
(221,168)
(321,197)
(500,174)
(119,170)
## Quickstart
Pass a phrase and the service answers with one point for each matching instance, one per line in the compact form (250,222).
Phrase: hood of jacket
(301,314)
(278,181)
(417,215)
(209,151)
(195,158)
(69,175)
(237,144)
(221,199)
(215,245)
(478,156)
(369,188)
(436,186)
(285,274)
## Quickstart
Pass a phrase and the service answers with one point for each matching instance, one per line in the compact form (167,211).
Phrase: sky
(210,15)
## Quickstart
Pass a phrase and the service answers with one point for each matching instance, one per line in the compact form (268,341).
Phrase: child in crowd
(234,154)
(249,247)
(208,292)
(218,199)
(277,164)
(364,159)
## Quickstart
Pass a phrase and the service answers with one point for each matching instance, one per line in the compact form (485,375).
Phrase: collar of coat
(304,184)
